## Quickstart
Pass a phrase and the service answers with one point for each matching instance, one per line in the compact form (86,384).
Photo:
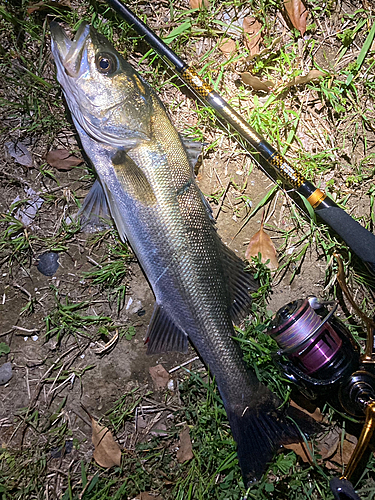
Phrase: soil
(98,380)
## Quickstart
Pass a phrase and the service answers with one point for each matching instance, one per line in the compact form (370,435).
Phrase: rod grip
(358,238)
(343,489)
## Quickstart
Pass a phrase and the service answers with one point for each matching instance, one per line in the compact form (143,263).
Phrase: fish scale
(146,178)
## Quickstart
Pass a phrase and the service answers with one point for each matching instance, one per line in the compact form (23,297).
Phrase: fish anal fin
(163,335)
(241,284)
(132,179)
(94,212)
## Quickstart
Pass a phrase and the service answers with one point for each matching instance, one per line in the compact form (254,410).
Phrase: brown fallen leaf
(317,415)
(297,14)
(301,450)
(197,4)
(328,443)
(253,34)
(160,376)
(61,159)
(185,450)
(314,74)
(267,50)
(62,4)
(345,450)
(107,452)
(20,153)
(256,82)
(227,47)
(262,244)
(145,495)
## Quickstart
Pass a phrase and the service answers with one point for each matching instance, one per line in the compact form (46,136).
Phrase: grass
(325,127)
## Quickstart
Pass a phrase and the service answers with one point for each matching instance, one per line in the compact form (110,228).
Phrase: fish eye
(106,64)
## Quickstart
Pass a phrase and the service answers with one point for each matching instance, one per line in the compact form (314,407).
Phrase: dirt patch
(76,344)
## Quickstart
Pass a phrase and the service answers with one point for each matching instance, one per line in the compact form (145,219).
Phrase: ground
(56,330)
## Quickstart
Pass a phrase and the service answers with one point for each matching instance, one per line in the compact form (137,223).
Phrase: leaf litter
(256,83)
(62,159)
(262,244)
(160,376)
(333,438)
(107,452)
(297,13)
(185,449)
(253,34)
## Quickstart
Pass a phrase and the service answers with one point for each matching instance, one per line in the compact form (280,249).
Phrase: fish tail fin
(259,433)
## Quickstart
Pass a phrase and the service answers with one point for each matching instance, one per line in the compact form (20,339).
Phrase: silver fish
(145,176)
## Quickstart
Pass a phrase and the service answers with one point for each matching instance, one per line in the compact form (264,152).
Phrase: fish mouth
(69,52)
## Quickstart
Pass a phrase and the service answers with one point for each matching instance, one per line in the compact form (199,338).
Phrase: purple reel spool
(308,340)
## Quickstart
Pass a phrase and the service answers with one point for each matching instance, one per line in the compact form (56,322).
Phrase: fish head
(105,95)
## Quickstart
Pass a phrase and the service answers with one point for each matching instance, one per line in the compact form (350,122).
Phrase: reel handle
(363,441)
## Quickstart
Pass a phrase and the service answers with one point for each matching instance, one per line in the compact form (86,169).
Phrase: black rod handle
(357,237)
(342,489)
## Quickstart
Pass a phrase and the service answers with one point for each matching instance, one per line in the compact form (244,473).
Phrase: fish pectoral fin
(116,214)
(94,212)
(133,180)
(241,284)
(163,335)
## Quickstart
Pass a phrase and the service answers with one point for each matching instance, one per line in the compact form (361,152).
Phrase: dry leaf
(317,415)
(256,82)
(20,153)
(160,376)
(185,450)
(261,243)
(228,46)
(328,443)
(145,495)
(197,4)
(62,159)
(107,452)
(301,450)
(268,49)
(314,74)
(62,4)
(345,450)
(297,13)
(253,34)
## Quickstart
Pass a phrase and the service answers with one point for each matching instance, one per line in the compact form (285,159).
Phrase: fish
(145,177)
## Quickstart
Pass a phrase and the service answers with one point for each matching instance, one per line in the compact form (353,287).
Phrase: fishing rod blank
(358,238)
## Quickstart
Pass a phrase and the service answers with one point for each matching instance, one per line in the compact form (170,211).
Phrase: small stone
(5,373)
(48,263)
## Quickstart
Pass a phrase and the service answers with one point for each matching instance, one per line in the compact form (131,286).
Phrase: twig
(172,370)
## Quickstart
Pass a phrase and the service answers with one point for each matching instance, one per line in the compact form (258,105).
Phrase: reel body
(319,356)
(317,352)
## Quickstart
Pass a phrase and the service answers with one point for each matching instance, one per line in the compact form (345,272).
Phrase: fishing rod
(359,239)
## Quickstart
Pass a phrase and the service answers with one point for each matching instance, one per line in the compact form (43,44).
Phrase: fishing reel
(319,356)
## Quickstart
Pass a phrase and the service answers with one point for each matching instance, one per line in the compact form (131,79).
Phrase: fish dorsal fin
(133,180)
(94,211)
(163,335)
(241,284)
(193,149)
